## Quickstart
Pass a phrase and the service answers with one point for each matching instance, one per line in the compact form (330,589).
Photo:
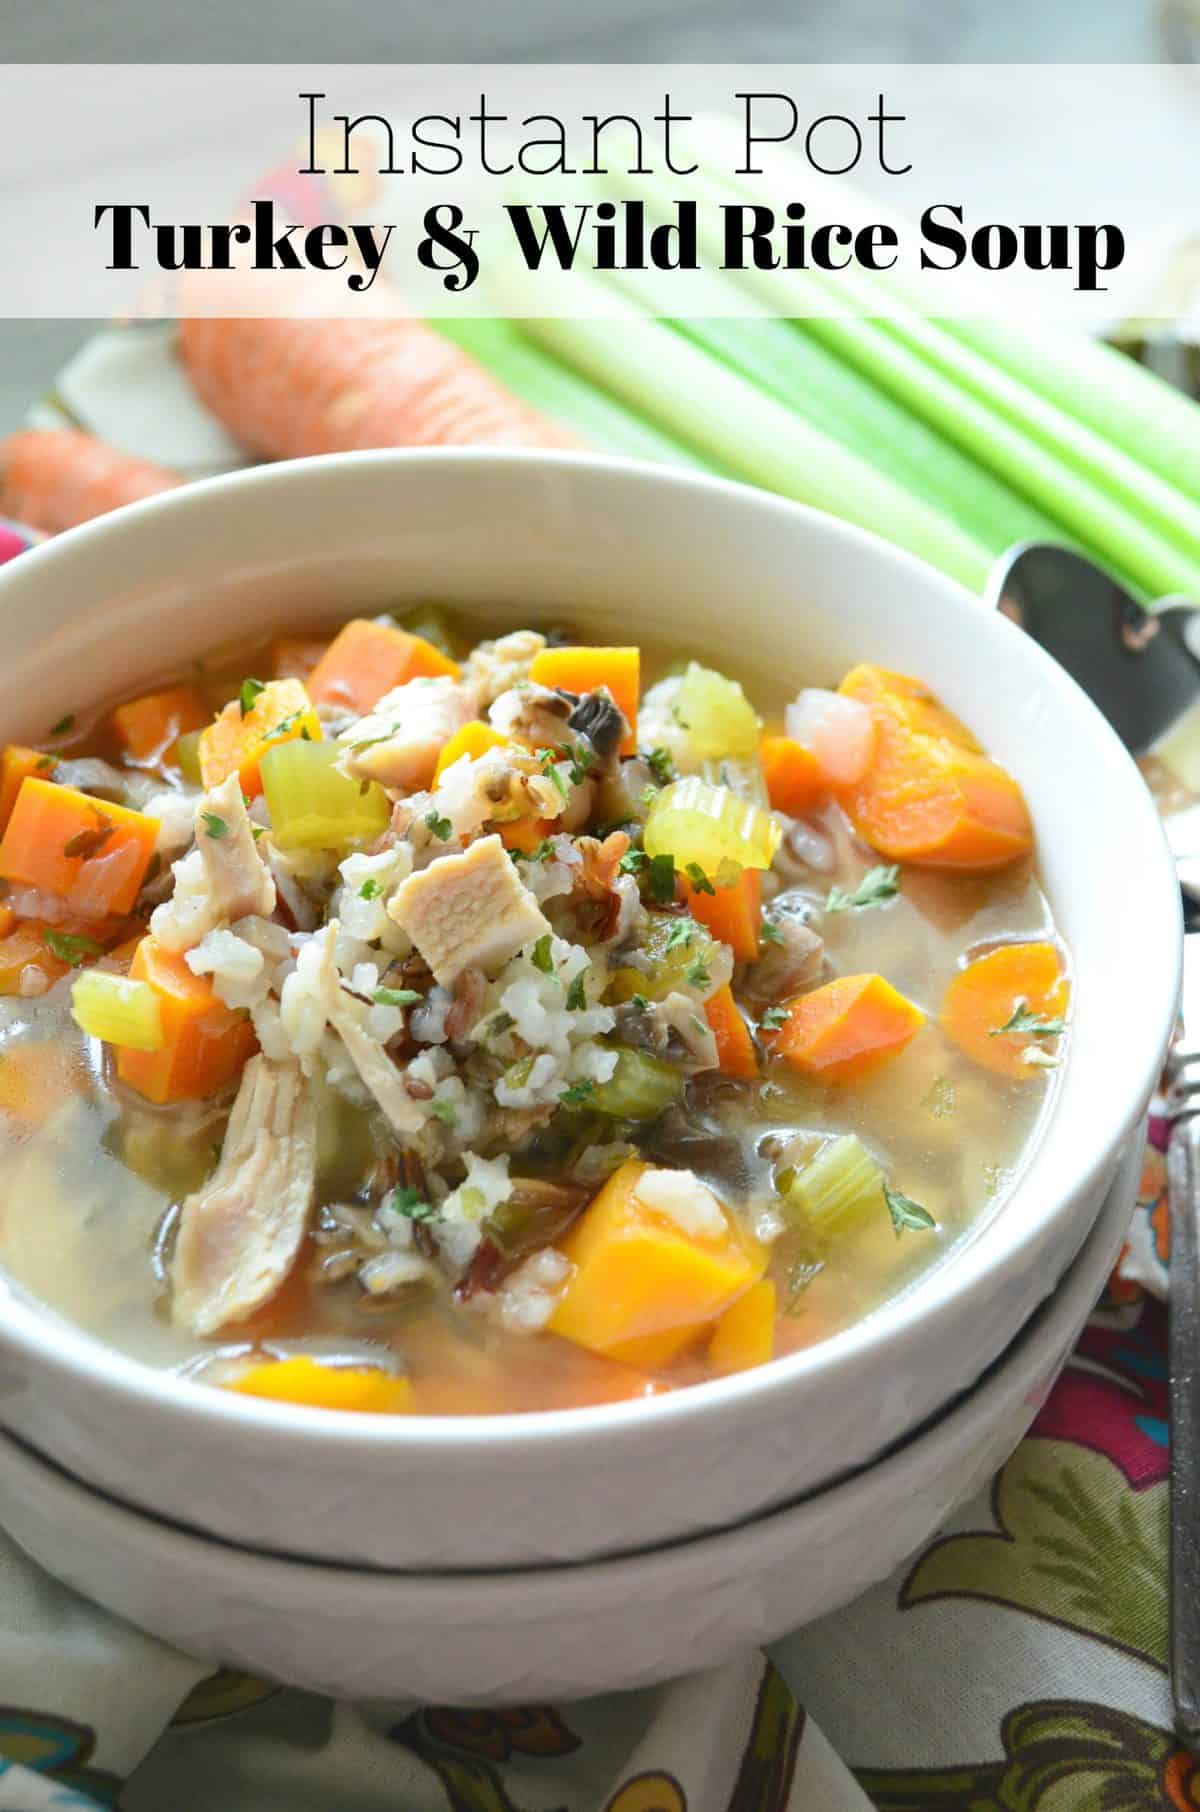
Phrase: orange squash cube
(205,1043)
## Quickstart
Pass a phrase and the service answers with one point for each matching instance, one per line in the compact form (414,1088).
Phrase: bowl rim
(521,1588)
(52,1340)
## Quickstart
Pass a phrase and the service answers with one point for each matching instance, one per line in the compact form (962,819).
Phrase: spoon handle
(1183,1179)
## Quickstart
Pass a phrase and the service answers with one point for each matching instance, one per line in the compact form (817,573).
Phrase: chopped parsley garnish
(661,874)
(1023,1019)
(396,997)
(64,724)
(581,760)
(540,955)
(576,996)
(445,1111)
(249,693)
(46,762)
(681,933)
(286,724)
(438,827)
(545,848)
(411,1204)
(876,886)
(577,1093)
(639,1003)
(770,933)
(632,861)
(370,889)
(697,976)
(548,758)
(905,1212)
(87,843)
(214,827)
(699,880)
(773,1018)
(71,950)
(660,765)
(501,1023)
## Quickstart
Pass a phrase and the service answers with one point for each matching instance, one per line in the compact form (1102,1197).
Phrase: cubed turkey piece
(399,741)
(241,882)
(469,910)
(240,1234)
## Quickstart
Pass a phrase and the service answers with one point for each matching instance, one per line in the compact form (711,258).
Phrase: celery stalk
(640,1088)
(117,1010)
(840,1182)
(313,805)
(758,438)
(546,385)
(717,715)
(708,825)
(1133,409)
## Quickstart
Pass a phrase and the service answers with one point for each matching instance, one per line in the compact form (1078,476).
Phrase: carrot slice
(286,387)
(236,741)
(745,1335)
(735,1047)
(205,1043)
(296,656)
(525,834)
(149,728)
(474,739)
(986,995)
(365,660)
(795,783)
(361,1388)
(56,478)
(844,1030)
(584,669)
(90,854)
(930,796)
(16,765)
(732,914)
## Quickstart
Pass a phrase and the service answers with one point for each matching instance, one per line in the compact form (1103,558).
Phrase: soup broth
(744,1014)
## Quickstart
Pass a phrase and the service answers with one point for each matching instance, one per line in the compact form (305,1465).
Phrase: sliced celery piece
(640,1088)
(315,806)
(673,946)
(742,775)
(187,754)
(118,1010)
(716,715)
(840,1182)
(433,623)
(696,822)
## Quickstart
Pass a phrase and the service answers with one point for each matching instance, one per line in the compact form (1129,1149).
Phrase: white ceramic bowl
(620,549)
(563,1632)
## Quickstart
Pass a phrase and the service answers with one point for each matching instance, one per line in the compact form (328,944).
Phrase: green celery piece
(761,440)
(696,822)
(839,1183)
(315,806)
(117,1010)
(640,1088)
(1138,412)
(539,380)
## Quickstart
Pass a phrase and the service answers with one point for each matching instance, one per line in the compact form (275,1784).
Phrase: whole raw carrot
(288,387)
(56,478)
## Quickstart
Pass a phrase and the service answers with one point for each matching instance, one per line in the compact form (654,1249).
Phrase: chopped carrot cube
(794,780)
(473,739)
(525,834)
(297,656)
(16,765)
(235,742)
(365,660)
(732,914)
(149,728)
(364,1389)
(86,852)
(642,1289)
(585,669)
(1023,981)
(930,796)
(846,1029)
(745,1335)
(735,1047)
(205,1042)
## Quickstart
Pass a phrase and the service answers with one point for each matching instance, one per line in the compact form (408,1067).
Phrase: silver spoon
(1139,668)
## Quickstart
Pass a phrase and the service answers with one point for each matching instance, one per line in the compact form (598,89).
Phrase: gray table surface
(642,31)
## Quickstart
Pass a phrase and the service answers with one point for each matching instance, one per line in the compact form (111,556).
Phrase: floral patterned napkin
(1017,1664)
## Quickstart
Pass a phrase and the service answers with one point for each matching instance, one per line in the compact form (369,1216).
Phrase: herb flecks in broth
(537,1036)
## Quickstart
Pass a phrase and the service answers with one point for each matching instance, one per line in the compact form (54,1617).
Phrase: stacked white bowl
(453,1523)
